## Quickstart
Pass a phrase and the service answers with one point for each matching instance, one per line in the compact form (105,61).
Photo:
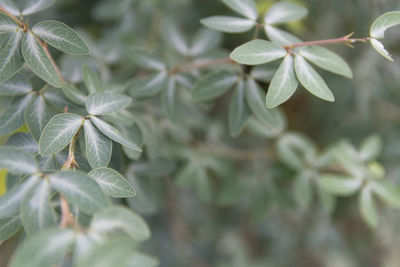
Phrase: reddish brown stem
(19,22)
(46,50)
(345,39)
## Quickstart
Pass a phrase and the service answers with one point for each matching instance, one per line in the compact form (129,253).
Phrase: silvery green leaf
(73,94)
(169,99)
(283,85)
(16,85)
(112,183)
(204,41)
(103,103)
(55,243)
(384,22)
(327,60)
(340,185)
(133,133)
(17,161)
(371,148)
(147,86)
(213,85)
(37,115)
(311,80)
(378,46)
(367,207)
(7,24)
(246,8)
(61,37)
(84,244)
(257,52)
(9,226)
(38,61)
(91,80)
(282,12)
(79,189)
(33,6)
(349,159)
(387,192)
(121,218)
(279,36)
(23,141)
(239,112)
(228,24)
(144,59)
(13,117)
(10,56)
(36,211)
(264,73)
(302,190)
(10,6)
(138,259)
(59,132)
(98,146)
(113,133)
(175,38)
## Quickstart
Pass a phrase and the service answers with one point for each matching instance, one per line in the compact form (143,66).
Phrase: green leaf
(246,8)
(228,24)
(283,12)
(340,185)
(137,259)
(204,41)
(37,115)
(23,141)
(213,85)
(169,99)
(327,60)
(367,207)
(387,192)
(112,183)
(61,37)
(378,46)
(257,52)
(59,132)
(7,24)
(283,85)
(16,85)
(113,133)
(54,245)
(73,94)
(142,58)
(98,146)
(384,22)
(80,190)
(13,117)
(311,80)
(33,6)
(36,211)
(302,190)
(38,61)
(9,226)
(104,103)
(239,112)
(17,161)
(371,148)
(174,37)
(10,56)
(121,218)
(147,86)
(91,80)
(279,36)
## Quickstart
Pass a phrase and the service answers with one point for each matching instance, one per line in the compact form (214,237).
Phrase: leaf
(279,36)
(112,183)
(239,112)
(228,24)
(54,244)
(10,56)
(113,133)
(23,141)
(73,94)
(104,103)
(174,37)
(142,58)
(378,46)
(169,99)
(147,86)
(381,24)
(61,37)
(13,117)
(283,12)
(371,148)
(137,259)
(121,218)
(17,161)
(37,115)
(213,85)
(311,80)
(7,24)
(9,226)
(36,211)
(246,8)
(59,132)
(368,208)
(33,6)
(327,60)
(204,41)
(16,85)
(302,190)
(387,192)
(10,6)
(283,85)
(80,190)
(257,52)
(38,61)
(98,146)
(91,80)
(340,185)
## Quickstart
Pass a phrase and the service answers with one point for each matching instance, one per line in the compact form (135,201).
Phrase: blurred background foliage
(246,214)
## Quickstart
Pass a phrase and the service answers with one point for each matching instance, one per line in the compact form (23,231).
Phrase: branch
(46,50)
(19,22)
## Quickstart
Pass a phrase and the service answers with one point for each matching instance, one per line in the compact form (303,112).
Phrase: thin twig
(46,50)
(19,22)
